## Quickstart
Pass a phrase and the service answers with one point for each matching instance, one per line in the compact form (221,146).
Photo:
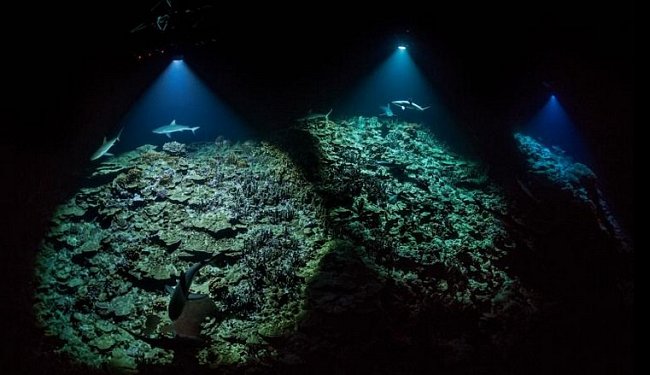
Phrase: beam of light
(553,127)
(178,94)
(399,78)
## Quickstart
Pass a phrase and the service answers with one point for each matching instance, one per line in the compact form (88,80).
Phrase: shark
(404,104)
(315,116)
(173,127)
(106,145)
(386,111)
(180,294)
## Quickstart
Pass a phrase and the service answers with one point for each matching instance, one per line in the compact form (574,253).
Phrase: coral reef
(361,245)
(145,218)
(425,251)
(555,176)
(174,148)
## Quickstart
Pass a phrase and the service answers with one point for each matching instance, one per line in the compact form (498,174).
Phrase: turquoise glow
(553,126)
(400,78)
(178,94)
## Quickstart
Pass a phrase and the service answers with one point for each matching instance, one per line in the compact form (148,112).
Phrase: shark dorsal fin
(173,122)
(104,139)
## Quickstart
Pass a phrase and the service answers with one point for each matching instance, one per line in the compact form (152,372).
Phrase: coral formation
(333,240)
(174,148)
(114,246)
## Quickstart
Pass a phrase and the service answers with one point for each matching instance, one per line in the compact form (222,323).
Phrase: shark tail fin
(119,134)
(327,115)
(423,108)
(195,129)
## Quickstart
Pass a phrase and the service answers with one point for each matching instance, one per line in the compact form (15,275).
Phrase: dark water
(415,249)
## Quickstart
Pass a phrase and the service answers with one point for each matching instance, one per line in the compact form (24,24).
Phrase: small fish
(404,104)
(173,127)
(315,116)
(386,111)
(103,149)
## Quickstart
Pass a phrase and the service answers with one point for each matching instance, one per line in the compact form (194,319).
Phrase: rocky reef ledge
(356,246)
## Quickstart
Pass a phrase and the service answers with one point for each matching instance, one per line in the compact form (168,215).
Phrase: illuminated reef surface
(357,246)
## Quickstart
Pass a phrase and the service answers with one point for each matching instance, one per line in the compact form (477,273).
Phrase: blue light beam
(399,78)
(553,127)
(178,94)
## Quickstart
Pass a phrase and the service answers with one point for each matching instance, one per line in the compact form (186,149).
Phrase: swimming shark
(404,104)
(315,116)
(103,149)
(181,293)
(173,127)
(386,111)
